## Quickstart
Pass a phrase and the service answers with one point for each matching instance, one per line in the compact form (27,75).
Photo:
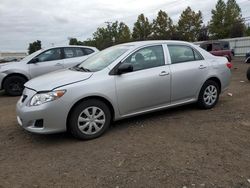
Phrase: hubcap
(210,95)
(91,120)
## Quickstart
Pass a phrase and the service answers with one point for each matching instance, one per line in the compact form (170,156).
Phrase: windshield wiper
(80,69)
(84,69)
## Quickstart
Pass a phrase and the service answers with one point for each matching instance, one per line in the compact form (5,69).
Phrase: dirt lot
(181,147)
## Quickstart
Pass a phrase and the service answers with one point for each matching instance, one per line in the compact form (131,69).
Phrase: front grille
(23,98)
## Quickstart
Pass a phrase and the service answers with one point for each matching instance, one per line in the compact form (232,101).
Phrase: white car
(13,75)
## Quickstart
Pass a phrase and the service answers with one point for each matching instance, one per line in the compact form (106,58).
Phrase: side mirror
(34,60)
(125,68)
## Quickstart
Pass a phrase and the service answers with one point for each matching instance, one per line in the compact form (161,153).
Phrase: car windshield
(29,57)
(102,59)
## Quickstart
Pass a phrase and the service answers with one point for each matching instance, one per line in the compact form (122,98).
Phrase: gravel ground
(180,147)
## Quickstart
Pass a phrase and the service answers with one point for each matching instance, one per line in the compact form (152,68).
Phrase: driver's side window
(50,55)
(146,58)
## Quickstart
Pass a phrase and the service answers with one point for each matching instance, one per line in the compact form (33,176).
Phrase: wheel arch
(228,57)
(13,74)
(247,60)
(100,98)
(217,80)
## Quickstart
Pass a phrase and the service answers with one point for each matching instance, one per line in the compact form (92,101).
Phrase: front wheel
(14,85)
(248,73)
(89,119)
(209,95)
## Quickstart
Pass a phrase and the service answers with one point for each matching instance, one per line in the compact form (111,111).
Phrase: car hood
(56,79)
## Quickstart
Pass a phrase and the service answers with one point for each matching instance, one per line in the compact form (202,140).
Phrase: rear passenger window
(69,52)
(179,54)
(79,52)
(74,52)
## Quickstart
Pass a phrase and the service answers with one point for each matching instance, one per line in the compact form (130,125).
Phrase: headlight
(42,98)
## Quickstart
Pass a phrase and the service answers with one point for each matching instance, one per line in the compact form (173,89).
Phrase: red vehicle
(218,48)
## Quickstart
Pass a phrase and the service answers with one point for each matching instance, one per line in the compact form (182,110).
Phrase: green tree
(162,27)
(124,34)
(238,29)
(34,46)
(247,30)
(102,37)
(176,35)
(226,20)
(142,28)
(113,33)
(74,41)
(234,25)
(203,34)
(89,42)
(190,24)
(216,26)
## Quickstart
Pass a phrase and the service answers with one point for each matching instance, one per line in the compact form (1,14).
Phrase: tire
(14,85)
(209,95)
(86,127)
(248,73)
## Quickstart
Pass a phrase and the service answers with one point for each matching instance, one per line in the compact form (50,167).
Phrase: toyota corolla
(120,82)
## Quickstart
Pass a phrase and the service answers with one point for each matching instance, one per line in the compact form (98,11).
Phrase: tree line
(226,22)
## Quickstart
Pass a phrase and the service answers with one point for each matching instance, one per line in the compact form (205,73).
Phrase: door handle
(164,73)
(202,67)
(58,64)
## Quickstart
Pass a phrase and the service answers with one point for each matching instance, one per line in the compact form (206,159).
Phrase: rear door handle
(164,73)
(202,67)
(58,64)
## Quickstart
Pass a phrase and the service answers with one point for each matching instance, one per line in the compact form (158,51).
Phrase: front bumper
(52,114)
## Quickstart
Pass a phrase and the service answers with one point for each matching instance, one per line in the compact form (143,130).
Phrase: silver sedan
(119,82)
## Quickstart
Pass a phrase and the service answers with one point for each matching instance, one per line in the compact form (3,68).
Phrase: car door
(74,56)
(148,85)
(48,61)
(188,71)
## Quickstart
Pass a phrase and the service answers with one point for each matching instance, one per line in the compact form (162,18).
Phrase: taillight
(229,65)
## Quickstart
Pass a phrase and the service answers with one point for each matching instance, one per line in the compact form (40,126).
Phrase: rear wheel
(248,73)
(14,85)
(89,119)
(209,95)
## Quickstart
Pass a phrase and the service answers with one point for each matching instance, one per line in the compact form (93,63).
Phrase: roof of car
(68,46)
(140,43)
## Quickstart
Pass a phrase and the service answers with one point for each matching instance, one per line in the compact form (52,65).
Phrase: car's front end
(44,105)
(48,100)
(38,114)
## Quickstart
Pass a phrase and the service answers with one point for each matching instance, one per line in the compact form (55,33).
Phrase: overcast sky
(53,21)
